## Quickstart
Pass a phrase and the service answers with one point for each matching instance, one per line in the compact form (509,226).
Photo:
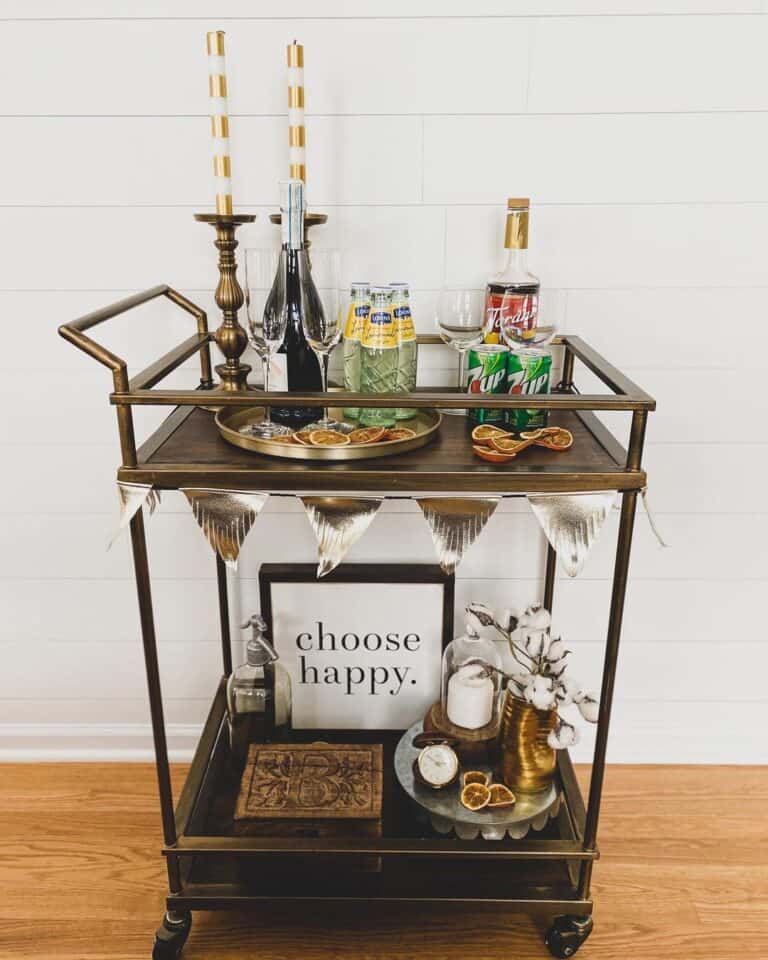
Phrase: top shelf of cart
(187,450)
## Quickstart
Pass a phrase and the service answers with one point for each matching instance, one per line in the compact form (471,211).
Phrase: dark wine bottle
(295,292)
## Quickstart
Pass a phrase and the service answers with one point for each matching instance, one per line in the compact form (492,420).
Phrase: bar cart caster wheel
(567,934)
(171,936)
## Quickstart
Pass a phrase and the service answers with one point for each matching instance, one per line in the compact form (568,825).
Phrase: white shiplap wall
(640,130)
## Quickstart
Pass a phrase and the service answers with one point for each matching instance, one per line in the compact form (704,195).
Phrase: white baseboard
(657,733)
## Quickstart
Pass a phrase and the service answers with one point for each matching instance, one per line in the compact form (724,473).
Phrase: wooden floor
(684,874)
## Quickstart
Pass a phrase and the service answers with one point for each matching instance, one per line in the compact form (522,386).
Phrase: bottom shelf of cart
(397,863)
(540,888)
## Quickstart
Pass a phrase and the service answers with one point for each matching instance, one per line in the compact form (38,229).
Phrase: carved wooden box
(314,789)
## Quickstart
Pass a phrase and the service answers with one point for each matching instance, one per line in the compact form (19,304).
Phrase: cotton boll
(557,667)
(541,693)
(589,707)
(556,649)
(517,684)
(532,641)
(538,688)
(538,617)
(508,619)
(564,735)
(565,689)
(477,616)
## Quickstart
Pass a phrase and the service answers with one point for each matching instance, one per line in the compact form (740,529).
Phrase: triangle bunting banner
(455,524)
(225,517)
(338,522)
(572,522)
(133,496)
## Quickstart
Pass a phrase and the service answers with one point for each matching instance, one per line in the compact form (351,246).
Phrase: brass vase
(527,761)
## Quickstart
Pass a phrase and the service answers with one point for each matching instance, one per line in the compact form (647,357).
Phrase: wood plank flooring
(684,873)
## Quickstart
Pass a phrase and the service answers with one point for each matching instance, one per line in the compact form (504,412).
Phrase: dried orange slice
(553,438)
(400,433)
(491,455)
(328,438)
(303,437)
(476,776)
(501,796)
(485,432)
(475,796)
(509,446)
(367,434)
(286,439)
(561,440)
(540,434)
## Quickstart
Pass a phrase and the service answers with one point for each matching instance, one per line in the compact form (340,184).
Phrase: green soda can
(487,373)
(528,371)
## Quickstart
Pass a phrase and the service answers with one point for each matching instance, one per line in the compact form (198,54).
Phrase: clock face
(438,764)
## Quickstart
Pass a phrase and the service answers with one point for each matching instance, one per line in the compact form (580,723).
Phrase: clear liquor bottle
(515,290)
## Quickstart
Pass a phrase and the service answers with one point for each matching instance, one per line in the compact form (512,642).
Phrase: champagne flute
(459,317)
(265,303)
(321,321)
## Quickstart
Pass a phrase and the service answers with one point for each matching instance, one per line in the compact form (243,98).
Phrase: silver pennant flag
(338,522)
(132,497)
(225,517)
(455,524)
(572,523)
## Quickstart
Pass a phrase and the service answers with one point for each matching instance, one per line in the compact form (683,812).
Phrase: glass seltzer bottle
(378,359)
(407,346)
(359,308)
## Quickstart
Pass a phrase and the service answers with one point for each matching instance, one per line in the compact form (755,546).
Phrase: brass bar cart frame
(208,868)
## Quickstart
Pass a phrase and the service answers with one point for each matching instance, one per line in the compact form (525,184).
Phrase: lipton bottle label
(358,312)
(380,330)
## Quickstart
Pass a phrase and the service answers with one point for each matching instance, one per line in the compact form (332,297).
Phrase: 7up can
(528,372)
(487,374)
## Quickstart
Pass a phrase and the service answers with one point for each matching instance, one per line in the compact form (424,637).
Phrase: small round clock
(436,766)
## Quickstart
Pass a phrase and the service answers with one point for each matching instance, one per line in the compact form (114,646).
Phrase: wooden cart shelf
(188,451)
(208,866)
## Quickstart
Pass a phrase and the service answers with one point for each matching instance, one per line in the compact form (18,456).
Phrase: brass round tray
(426,423)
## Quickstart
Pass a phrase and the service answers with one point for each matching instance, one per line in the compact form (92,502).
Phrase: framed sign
(363,646)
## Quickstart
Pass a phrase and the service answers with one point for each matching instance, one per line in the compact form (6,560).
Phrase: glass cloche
(471,684)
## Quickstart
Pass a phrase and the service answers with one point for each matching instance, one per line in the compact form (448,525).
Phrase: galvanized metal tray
(231,420)
(445,812)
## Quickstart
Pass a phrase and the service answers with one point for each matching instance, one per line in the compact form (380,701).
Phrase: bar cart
(209,868)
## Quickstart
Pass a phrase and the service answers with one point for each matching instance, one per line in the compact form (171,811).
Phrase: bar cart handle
(75,331)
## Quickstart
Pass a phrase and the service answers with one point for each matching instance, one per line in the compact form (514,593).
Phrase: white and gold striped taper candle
(297,158)
(217,91)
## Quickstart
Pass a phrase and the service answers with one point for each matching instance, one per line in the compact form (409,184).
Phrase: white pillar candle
(297,157)
(470,697)
(217,93)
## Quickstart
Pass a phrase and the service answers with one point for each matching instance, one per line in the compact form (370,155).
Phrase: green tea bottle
(379,357)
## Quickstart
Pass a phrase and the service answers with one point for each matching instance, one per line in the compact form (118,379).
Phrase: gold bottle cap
(518,203)
(516,234)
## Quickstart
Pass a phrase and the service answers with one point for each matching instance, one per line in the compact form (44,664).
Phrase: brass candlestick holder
(230,338)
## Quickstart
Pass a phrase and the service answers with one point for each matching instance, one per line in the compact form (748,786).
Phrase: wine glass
(321,320)
(265,303)
(520,321)
(459,317)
